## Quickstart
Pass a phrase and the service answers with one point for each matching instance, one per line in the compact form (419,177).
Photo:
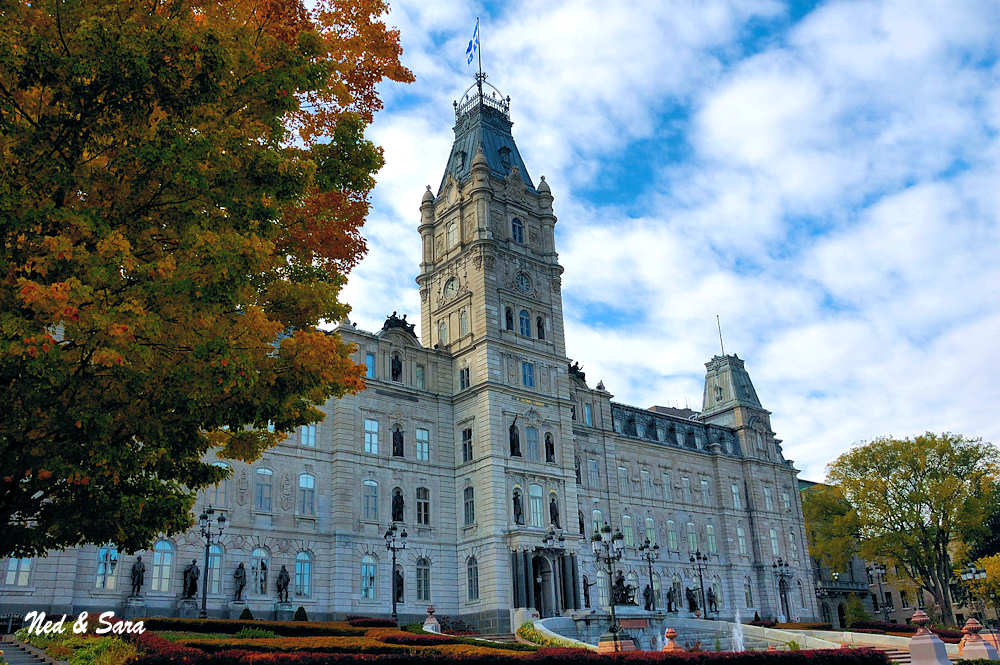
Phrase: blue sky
(822,175)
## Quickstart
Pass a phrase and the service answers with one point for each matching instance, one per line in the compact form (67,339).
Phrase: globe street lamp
(650,552)
(782,572)
(205,521)
(877,571)
(390,545)
(971,573)
(553,542)
(608,550)
(700,561)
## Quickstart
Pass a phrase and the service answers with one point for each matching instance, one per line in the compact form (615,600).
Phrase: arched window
(18,571)
(217,495)
(472,578)
(215,569)
(632,579)
(260,564)
(515,440)
(517,231)
(163,557)
(443,332)
(303,574)
(657,589)
(793,548)
(602,589)
(774,542)
(262,490)
(107,568)
(452,234)
(369,500)
(540,327)
(596,520)
(508,319)
(692,535)
(469,499)
(747,592)
(535,514)
(675,582)
(463,323)
(524,320)
(650,531)
(672,536)
(307,494)
(368,572)
(717,590)
(550,448)
(423,580)
(423,506)
(531,443)
(713,547)
(627,531)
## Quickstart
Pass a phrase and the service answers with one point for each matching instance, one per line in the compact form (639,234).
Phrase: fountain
(737,639)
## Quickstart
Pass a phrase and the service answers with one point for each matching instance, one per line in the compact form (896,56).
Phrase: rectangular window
(774,542)
(735,489)
(307,435)
(419,377)
(713,547)
(470,506)
(672,536)
(650,531)
(668,490)
(535,510)
(888,601)
(262,496)
(370,365)
(423,445)
(692,535)
(423,506)
(531,443)
(623,482)
(371,436)
(786,502)
(741,540)
(463,378)
(107,568)
(646,483)
(588,415)
(307,495)
(706,494)
(467,444)
(768,504)
(904,599)
(369,497)
(686,489)
(18,571)
(627,531)
(368,578)
(593,475)
(472,579)
(793,548)
(423,583)
(528,374)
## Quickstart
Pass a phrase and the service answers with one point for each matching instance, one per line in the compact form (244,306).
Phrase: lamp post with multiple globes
(608,550)
(650,552)
(392,546)
(208,533)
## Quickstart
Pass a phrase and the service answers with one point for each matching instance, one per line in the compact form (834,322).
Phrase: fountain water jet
(737,639)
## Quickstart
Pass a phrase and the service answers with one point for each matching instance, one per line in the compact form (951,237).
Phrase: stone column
(575,581)
(529,580)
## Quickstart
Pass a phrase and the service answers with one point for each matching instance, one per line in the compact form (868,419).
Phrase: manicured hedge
(426,639)
(324,644)
(232,626)
(542,657)
(371,622)
(472,641)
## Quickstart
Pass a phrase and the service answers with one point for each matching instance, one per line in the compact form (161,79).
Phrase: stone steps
(15,654)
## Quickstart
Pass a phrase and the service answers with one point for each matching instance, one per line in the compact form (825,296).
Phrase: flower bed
(371,622)
(86,649)
(323,644)
(473,641)
(231,626)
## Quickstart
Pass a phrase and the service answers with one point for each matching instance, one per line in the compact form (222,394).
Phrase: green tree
(182,187)
(831,526)
(914,497)
(855,611)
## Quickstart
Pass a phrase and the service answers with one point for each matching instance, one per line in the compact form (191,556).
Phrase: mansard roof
(672,430)
(482,122)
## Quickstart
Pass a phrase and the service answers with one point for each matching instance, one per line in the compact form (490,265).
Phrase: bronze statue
(554,512)
(397,442)
(239,580)
(671,599)
(647,598)
(262,577)
(713,601)
(397,368)
(515,441)
(586,591)
(398,581)
(397,507)
(191,574)
(518,509)
(622,593)
(692,599)
(138,575)
(283,580)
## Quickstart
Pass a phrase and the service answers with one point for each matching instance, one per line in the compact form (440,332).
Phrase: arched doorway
(824,610)
(841,616)
(544,591)
(783,595)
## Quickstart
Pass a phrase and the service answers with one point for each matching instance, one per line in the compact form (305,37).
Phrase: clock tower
(490,297)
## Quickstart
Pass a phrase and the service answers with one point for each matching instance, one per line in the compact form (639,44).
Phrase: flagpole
(479,52)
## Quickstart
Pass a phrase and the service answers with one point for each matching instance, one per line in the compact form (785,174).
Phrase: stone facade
(482,413)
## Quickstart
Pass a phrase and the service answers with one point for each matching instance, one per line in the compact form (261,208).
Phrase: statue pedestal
(235,608)
(283,612)
(187,608)
(630,611)
(928,649)
(135,607)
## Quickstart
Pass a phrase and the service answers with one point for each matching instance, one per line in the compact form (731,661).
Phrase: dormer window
(517,231)
(505,158)
(460,158)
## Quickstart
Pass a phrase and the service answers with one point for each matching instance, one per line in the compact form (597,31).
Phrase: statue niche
(518,508)
(396,368)
(397,441)
(515,441)
(397,505)
(554,512)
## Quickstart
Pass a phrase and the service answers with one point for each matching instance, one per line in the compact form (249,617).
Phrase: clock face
(523,283)
(450,287)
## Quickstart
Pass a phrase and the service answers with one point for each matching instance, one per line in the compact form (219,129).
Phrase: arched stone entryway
(544,589)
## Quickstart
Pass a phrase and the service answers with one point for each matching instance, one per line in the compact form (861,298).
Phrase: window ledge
(15,589)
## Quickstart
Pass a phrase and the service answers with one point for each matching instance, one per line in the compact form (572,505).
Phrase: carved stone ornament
(424,294)
(286,492)
(242,488)
(490,261)
(477,260)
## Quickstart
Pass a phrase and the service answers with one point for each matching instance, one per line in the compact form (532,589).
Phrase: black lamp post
(553,542)
(878,572)
(650,552)
(390,544)
(608,549)
(205,521)
(972,573)
(781,571)
(700,560)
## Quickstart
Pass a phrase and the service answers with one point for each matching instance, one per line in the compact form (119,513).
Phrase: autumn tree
(831,526)
(913,498)
(182,192)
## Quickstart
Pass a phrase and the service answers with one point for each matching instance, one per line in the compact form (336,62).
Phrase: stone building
(479,437)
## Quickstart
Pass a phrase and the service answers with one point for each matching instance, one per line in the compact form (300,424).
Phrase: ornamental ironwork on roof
(482,122)
(673,431)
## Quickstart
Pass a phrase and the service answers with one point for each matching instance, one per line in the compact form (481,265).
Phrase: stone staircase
(15,654)
(897,656)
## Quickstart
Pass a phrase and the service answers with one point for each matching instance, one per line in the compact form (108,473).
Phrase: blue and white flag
(473,45)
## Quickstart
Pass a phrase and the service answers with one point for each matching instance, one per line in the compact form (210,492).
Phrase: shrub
(246,614)
(370,622)
(232,626)
(528,632)
(325,644)
(300,614)
(249,633)
(426,639)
